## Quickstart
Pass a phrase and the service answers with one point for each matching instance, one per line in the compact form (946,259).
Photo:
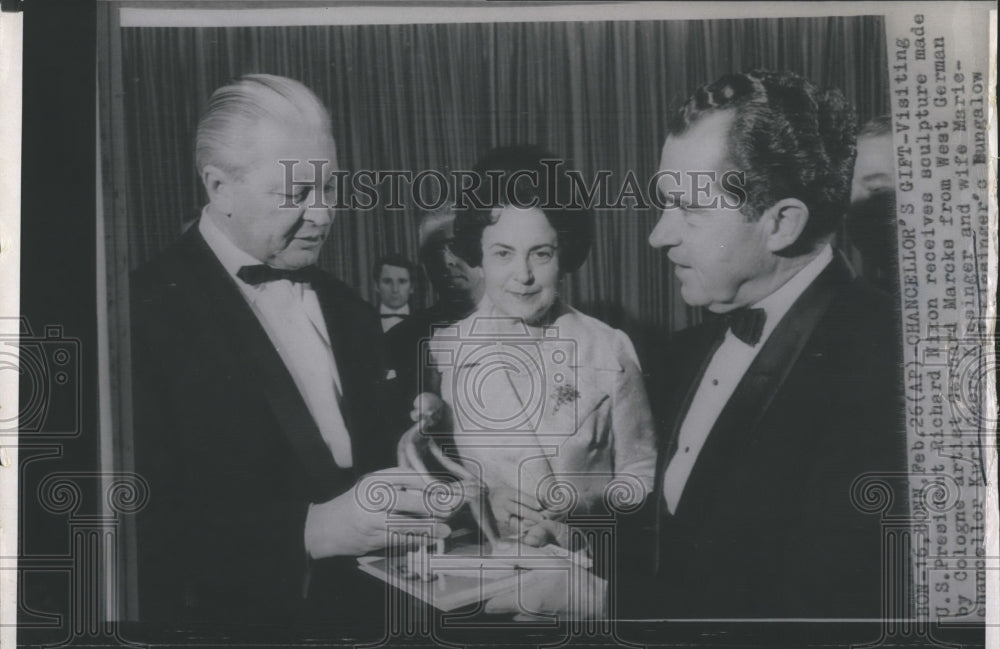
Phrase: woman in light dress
(545,405)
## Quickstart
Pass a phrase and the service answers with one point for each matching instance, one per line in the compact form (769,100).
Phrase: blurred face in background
(462,279)
(451,277)
(521,263)
(394,286)
(874,167)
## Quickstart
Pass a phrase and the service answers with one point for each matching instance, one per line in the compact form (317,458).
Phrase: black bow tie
(260,274)
(746,324)
(401,316)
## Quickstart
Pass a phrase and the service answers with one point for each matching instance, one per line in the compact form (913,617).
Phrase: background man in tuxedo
(393,276)
(258,382)
(774,409)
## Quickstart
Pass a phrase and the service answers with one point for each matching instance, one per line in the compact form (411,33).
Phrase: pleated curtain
(436,97)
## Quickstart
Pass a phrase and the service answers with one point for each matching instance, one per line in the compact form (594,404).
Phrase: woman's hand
(545,532)
(515,511)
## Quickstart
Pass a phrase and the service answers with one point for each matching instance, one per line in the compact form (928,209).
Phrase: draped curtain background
(436,97)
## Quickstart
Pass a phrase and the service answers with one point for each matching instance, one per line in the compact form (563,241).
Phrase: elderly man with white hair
(258,382)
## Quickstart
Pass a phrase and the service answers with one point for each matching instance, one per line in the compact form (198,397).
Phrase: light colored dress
(558,413)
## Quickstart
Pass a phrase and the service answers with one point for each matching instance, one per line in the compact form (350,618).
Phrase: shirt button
(687,449)
(715,381)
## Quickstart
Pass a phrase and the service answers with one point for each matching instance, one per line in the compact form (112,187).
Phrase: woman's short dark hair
(524,175)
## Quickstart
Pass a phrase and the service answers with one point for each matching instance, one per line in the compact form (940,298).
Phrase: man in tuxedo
(775,407)
(393,276)
(258,383)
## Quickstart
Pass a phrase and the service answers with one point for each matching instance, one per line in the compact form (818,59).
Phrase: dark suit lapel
(736,427)
(222,303)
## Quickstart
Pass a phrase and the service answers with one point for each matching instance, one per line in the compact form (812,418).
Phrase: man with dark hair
(393,276)
(775,411)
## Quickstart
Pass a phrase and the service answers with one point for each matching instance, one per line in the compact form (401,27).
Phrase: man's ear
(785,220)
(218,186)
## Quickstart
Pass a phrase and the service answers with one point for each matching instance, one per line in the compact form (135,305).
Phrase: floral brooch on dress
(563,394)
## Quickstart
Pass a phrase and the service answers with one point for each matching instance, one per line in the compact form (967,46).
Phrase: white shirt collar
(777,304)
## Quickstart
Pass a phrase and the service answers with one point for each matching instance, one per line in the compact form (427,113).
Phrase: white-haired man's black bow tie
(261,274)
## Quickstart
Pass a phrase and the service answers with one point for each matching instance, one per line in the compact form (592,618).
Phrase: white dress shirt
(724,372)
(291,316)
(389,323)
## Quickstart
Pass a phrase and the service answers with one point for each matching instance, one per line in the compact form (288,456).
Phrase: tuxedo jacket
(230,452)
(767,525)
